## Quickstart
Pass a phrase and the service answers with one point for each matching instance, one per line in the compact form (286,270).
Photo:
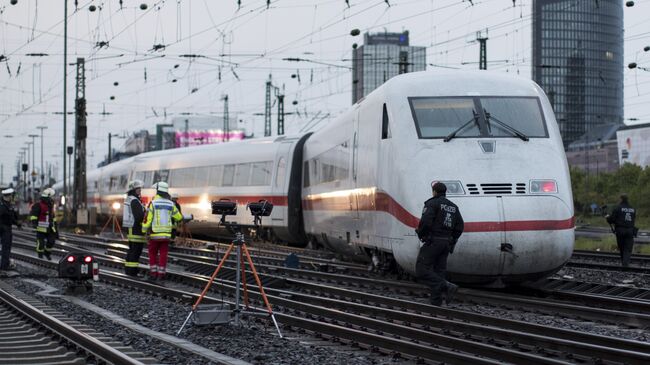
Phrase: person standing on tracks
(132,218)
(162,215)
(177,226)
(440,227)
(42,218)
(622,218)
(8,217)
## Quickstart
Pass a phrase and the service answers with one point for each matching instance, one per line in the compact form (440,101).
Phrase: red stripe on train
(382,202)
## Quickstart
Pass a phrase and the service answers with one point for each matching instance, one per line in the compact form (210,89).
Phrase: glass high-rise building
(382,56)
(578,61)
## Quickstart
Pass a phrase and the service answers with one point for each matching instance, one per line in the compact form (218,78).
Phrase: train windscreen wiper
(517,133)
(453,134)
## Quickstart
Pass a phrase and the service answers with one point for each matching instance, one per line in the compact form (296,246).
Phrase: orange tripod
(116,224)
(240,244)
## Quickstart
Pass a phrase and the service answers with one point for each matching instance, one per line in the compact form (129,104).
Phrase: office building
(578,60)
(382,56)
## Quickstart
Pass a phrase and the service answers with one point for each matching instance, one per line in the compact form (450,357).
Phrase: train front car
(494,141)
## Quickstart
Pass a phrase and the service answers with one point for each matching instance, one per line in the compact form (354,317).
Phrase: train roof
(455,83)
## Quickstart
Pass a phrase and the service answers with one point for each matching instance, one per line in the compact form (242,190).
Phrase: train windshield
(505,115)
(484,116)
(441,117)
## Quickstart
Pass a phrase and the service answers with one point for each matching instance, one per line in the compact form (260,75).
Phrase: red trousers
(158,263)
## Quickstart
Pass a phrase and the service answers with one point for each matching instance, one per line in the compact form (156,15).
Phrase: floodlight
(224,207)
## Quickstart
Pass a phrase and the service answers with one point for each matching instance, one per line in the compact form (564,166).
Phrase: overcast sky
(238,49)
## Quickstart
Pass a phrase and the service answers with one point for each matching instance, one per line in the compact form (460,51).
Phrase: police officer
(162,215)
(42,218)
(132,218)
(623,217)
(8,217)
(440,227)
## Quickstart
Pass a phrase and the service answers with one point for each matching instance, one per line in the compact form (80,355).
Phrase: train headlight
(454,187)
(543,187)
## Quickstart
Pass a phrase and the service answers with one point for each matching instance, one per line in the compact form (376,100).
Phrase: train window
(228,175)
(161,175)
(439,117)
(261,173)
(385,130)
(201,177)
(281,171)
(138,175)
(146,178)
(523,114)
(242,173)
(123,182)
(215,175)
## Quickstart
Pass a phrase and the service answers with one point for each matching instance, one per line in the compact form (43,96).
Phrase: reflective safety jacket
(132,218)
(42,216)
(162,215)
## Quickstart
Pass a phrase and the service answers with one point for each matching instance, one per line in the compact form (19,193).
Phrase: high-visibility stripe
(131,264)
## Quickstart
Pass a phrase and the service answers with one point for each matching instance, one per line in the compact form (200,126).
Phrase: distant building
(382,56)
(578,60)
(634,144)
(595,151)
(138,142)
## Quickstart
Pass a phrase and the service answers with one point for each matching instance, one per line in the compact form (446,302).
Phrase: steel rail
(613,354)
(636,319)
(80,339)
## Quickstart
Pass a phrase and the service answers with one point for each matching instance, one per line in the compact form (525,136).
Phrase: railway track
(415,329)
(32,333)
(627,303)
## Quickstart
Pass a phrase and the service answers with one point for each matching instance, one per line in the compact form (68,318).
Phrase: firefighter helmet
(161,186)
(136,184)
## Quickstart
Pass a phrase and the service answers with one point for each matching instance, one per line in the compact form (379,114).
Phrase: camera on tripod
(224,207)
(259,209)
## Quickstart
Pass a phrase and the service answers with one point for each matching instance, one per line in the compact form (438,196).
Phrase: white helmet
(136,184)
(161,186)
(8,191)
(48,193)
(174,195)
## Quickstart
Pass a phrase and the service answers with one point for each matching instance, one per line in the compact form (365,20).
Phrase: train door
(502,232)
(280,183)
(354,201)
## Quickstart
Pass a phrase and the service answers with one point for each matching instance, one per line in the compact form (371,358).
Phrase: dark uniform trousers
(5,237)
(431,266)
(133,258)
(45,242)
(625,241)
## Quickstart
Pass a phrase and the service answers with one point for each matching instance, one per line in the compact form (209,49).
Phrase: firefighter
(132,218)
(162,215)
(440,227)
(8,217)
(42,218)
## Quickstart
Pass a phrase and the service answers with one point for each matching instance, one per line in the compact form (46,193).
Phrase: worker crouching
(42,218)
(162,215)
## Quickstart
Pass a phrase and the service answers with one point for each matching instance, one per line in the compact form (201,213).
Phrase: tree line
(604,189)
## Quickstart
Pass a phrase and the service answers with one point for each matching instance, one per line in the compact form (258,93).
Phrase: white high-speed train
(357,185)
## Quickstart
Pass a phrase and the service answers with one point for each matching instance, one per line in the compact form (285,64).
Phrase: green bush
(606,188)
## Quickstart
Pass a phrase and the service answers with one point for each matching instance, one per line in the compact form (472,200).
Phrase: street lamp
(41,127)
